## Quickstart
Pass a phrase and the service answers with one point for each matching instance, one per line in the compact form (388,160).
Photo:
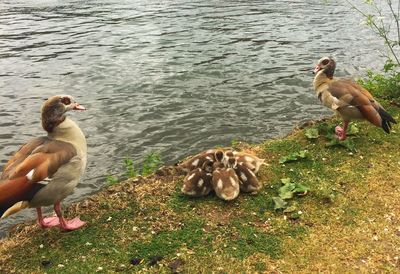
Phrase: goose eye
(65,100)
(325,62)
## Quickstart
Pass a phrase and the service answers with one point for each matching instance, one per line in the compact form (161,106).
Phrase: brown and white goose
(46,169)
(225,182)
(347,99)
(198,181)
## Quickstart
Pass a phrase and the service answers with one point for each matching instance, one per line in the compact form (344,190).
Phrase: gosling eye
(66,100)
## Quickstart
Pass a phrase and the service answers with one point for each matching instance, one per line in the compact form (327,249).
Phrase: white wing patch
(29,176)
(195,162)
(191,176)
(219,184)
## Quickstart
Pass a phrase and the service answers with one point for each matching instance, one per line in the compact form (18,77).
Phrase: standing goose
(348,99)
(46,169)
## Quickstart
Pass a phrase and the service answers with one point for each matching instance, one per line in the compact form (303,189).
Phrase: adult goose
(47,169)
(348,99)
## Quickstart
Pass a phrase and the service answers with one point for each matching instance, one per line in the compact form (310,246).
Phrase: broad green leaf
(299,188)
(303,154)
(353,129)
(312,133)
(346,143)
(294,156)
(286,191)
(279,203)
(285,181)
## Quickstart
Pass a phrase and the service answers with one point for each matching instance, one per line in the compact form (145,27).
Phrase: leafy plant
(352,129)
(235,143)
(111,180)
(130,171)
(312,133)
(287,191)
(334,142)
(151,163)
(384,84)
(383,19)
(294,156)
(279,203)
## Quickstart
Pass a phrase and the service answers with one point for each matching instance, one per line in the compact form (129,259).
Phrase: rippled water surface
(174,77)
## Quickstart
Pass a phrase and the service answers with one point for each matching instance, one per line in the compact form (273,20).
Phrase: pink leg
(67,225)
(46,222)
(341,132)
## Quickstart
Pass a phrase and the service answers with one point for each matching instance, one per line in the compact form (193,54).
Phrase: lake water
(172,77)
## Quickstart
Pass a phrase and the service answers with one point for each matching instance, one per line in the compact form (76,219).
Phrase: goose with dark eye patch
(198,181)
(348,99)
(47,169)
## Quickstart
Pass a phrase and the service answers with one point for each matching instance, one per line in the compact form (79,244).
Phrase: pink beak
(316,69)
(78,107)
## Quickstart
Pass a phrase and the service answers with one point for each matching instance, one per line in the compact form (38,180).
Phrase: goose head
(55,108)
(327,65)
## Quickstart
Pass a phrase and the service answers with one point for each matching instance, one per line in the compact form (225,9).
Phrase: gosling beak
(316,69)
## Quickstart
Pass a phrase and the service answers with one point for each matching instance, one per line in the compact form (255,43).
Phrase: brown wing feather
(45,160)
(349,92)
(22,154)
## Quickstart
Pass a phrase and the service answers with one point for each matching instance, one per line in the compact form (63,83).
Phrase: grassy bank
(349,220)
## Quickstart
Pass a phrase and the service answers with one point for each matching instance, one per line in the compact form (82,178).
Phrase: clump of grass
(130,171)
(111,180)
(168,243)
(384,84)
(250,240)
(151,163)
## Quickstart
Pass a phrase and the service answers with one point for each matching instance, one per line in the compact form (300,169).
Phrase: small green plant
(385,84)
(151,163)
(312,133)
(294,156)
(235,143)
(334,142)
(382,17)
(287,191)
(130,171)
(111,180)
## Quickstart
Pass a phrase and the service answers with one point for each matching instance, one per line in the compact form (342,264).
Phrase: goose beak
(78,107)
(316,69)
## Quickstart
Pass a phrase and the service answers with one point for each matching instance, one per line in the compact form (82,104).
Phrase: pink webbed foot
(340,133)
(69,225)
(49,222)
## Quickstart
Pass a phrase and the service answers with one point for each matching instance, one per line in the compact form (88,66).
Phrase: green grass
(151,227)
